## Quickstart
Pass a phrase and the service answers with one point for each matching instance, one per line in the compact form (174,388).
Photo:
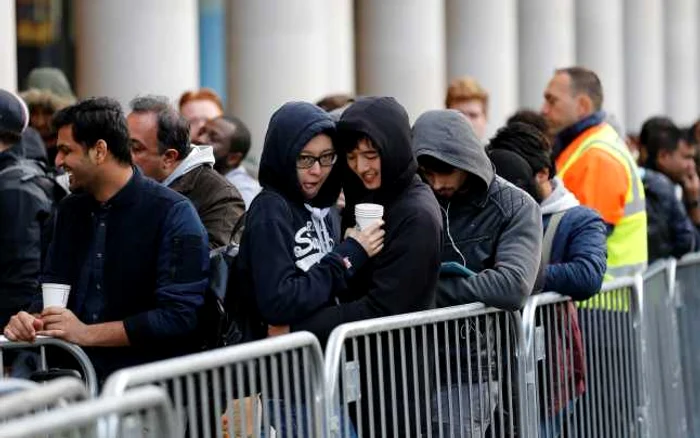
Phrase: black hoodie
(403,276)
(287,262)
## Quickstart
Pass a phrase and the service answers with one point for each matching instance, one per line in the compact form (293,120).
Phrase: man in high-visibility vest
(596,165)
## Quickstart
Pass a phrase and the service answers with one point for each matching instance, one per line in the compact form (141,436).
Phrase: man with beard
(491,251)
(133,252)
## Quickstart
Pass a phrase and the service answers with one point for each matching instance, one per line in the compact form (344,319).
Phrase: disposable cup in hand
(55,295)
(367,214)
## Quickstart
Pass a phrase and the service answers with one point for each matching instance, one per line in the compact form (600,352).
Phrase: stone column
(681,47)
(341,46)
(127,48)
(482,42)
(546,41)
(644,61)
(599,47)
(8,46)
(401,52)
(278,50)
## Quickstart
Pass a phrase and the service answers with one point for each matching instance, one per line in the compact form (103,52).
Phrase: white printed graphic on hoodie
(312,241)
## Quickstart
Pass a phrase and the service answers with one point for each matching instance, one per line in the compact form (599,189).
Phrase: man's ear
(98,153)
(584,105)
(170,157)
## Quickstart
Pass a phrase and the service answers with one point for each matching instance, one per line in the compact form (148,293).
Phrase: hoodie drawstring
(318,216)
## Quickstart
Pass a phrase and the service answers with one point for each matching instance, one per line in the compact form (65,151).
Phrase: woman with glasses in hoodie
(292,260)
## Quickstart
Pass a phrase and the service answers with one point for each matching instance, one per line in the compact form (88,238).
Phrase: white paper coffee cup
(367,214)
(55,295)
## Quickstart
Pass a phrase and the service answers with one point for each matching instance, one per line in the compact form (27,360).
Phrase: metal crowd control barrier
(667,415)
(444,372)
(41,342)
(10,385)
(284,374)
(52,395)
(142,412)
(687,302)
(586,364)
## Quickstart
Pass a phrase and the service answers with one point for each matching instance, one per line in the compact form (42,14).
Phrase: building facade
(261,53)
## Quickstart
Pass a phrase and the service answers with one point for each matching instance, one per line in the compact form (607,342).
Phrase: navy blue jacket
(578,259)
(289,267)
(670,231)
(149,268)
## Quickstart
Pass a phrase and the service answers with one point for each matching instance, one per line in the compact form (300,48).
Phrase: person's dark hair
(434,165)
(348,142)
(240,140)
(585,81)
(526,141)
(97,118)
(530,117)
(657,134)
(334,101)
(173,128)
(689,135)
(9,137)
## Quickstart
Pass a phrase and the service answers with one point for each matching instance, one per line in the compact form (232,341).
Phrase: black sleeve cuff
(353,254)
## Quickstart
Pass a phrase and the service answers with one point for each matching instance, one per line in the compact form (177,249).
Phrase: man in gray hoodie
(491,254)
(160,146)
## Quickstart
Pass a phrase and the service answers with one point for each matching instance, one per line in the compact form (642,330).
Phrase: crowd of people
(125,209)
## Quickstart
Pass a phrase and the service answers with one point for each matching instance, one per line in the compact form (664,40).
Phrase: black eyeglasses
(308,161)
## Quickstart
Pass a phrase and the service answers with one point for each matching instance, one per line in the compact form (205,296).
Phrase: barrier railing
(686,301)
(229,385)
(624,363)
(41,342)
(443,372)
(667,415)
(586,363)
(54,394)
(142,412)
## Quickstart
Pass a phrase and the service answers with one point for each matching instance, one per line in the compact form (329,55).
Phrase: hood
(198,156)
(560,200)
(447,135)
(385,122)
(35,98)
(52,79)
(31,146)
(512,167)
(291,128)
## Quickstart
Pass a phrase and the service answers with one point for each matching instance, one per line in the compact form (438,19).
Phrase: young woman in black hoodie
(292,262)
(291,258)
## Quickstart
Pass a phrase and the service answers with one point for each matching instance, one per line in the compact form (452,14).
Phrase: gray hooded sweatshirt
(492,228)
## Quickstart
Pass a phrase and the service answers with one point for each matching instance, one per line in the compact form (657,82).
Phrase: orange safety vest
(598,168)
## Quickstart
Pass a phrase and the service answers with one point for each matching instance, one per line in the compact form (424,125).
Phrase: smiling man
(134,252)
(374,136)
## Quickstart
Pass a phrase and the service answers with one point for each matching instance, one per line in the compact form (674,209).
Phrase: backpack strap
(548,239)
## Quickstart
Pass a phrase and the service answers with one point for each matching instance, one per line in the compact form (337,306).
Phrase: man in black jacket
(134,253)
(491,252)
(379,168)
(24,211)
